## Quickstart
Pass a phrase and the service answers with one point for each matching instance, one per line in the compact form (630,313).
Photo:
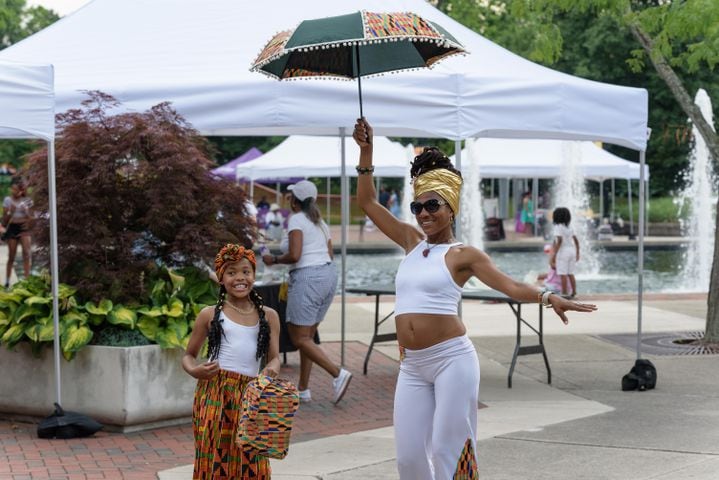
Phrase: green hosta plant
(26,315)
(175,299)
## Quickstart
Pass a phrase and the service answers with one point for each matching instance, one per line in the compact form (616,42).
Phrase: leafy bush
(133,192)
(176,299)
(112,336)
(661,209)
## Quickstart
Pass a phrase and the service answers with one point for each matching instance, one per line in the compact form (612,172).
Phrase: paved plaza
(580,427)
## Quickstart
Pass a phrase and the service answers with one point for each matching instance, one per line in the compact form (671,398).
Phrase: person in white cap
(313,281)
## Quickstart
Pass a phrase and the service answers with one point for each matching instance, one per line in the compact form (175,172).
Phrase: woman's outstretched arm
(403,234)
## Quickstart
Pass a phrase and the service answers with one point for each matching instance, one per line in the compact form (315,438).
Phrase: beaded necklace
(229,304)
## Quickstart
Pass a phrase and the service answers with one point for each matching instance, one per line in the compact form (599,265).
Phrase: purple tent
(227,170)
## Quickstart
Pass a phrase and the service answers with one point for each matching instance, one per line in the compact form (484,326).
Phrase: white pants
(435,411)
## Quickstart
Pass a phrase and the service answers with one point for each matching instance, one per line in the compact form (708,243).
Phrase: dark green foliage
(17,21)
(115,336)
(596,47)
(225,149)
(133,192)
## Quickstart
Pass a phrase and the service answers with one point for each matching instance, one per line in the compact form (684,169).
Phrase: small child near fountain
(566,251)
(550,280)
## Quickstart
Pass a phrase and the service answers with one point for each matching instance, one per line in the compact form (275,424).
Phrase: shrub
(175,300)
(133,192)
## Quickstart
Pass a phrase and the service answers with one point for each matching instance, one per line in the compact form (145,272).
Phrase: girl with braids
(313,281)
(241,333)
(435,407)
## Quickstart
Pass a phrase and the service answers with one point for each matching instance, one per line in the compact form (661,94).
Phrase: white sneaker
(340,384)
(305,395)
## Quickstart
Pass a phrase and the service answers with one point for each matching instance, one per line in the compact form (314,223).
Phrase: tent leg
(54,269)
(328,201)
(601,201)
(458,216)
(631,211)
(345,216)
(535,200)
(640,252)
(614,201)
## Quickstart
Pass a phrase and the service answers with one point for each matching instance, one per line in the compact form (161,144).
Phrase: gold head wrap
(445,182)
(231,253)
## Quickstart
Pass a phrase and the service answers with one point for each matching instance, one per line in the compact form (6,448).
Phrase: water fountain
(569,192)
(470,229)
(699,198)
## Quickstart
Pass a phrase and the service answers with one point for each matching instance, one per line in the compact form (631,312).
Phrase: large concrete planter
(128,388)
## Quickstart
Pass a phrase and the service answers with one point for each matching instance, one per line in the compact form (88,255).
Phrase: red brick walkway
(135,456)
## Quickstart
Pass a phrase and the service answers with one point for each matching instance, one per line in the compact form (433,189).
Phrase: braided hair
(263,337)
(216,332)
(431,158)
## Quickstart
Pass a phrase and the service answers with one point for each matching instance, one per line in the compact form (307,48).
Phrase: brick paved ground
(135,456)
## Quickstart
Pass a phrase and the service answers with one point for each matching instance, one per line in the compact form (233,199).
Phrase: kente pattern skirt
(215,415)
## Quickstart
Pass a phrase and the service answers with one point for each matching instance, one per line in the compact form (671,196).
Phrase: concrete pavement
(580,427)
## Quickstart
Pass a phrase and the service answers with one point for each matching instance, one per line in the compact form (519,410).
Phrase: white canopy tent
(306,156)
(198,59)
(542,158)
(28,111)
(537,158)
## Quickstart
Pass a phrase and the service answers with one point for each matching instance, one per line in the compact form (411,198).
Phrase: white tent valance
(27,101)
(304,156)
(522,158)
(198,59)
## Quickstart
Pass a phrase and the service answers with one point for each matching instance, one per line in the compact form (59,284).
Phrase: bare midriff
(422,330)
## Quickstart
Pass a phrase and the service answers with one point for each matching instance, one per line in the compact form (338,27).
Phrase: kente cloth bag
(268,409)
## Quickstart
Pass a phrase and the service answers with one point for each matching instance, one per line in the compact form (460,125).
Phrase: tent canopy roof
(306,156)
(199,58)
(28,101)
(502,158)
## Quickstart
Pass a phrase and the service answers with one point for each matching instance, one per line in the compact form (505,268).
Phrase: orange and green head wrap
(445,182)
(231,253)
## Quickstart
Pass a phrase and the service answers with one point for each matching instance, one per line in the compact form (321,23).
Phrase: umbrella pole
(359,78)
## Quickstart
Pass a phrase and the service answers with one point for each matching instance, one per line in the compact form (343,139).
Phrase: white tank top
(238,348)
(424,284)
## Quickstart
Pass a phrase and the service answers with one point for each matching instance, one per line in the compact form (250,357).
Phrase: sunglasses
(431,206)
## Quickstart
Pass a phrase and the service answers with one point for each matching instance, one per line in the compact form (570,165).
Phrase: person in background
(550,280)
(394,204)
(527,213)
(566,250)
(263,203)
(307,248)
(384,197)
(241,332)
(17,222)
(274,221)
(435,407)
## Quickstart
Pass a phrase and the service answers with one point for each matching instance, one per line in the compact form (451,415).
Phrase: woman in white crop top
(435,410)
(241,332)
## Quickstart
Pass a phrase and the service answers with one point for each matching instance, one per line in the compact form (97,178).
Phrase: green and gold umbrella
(361,43)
